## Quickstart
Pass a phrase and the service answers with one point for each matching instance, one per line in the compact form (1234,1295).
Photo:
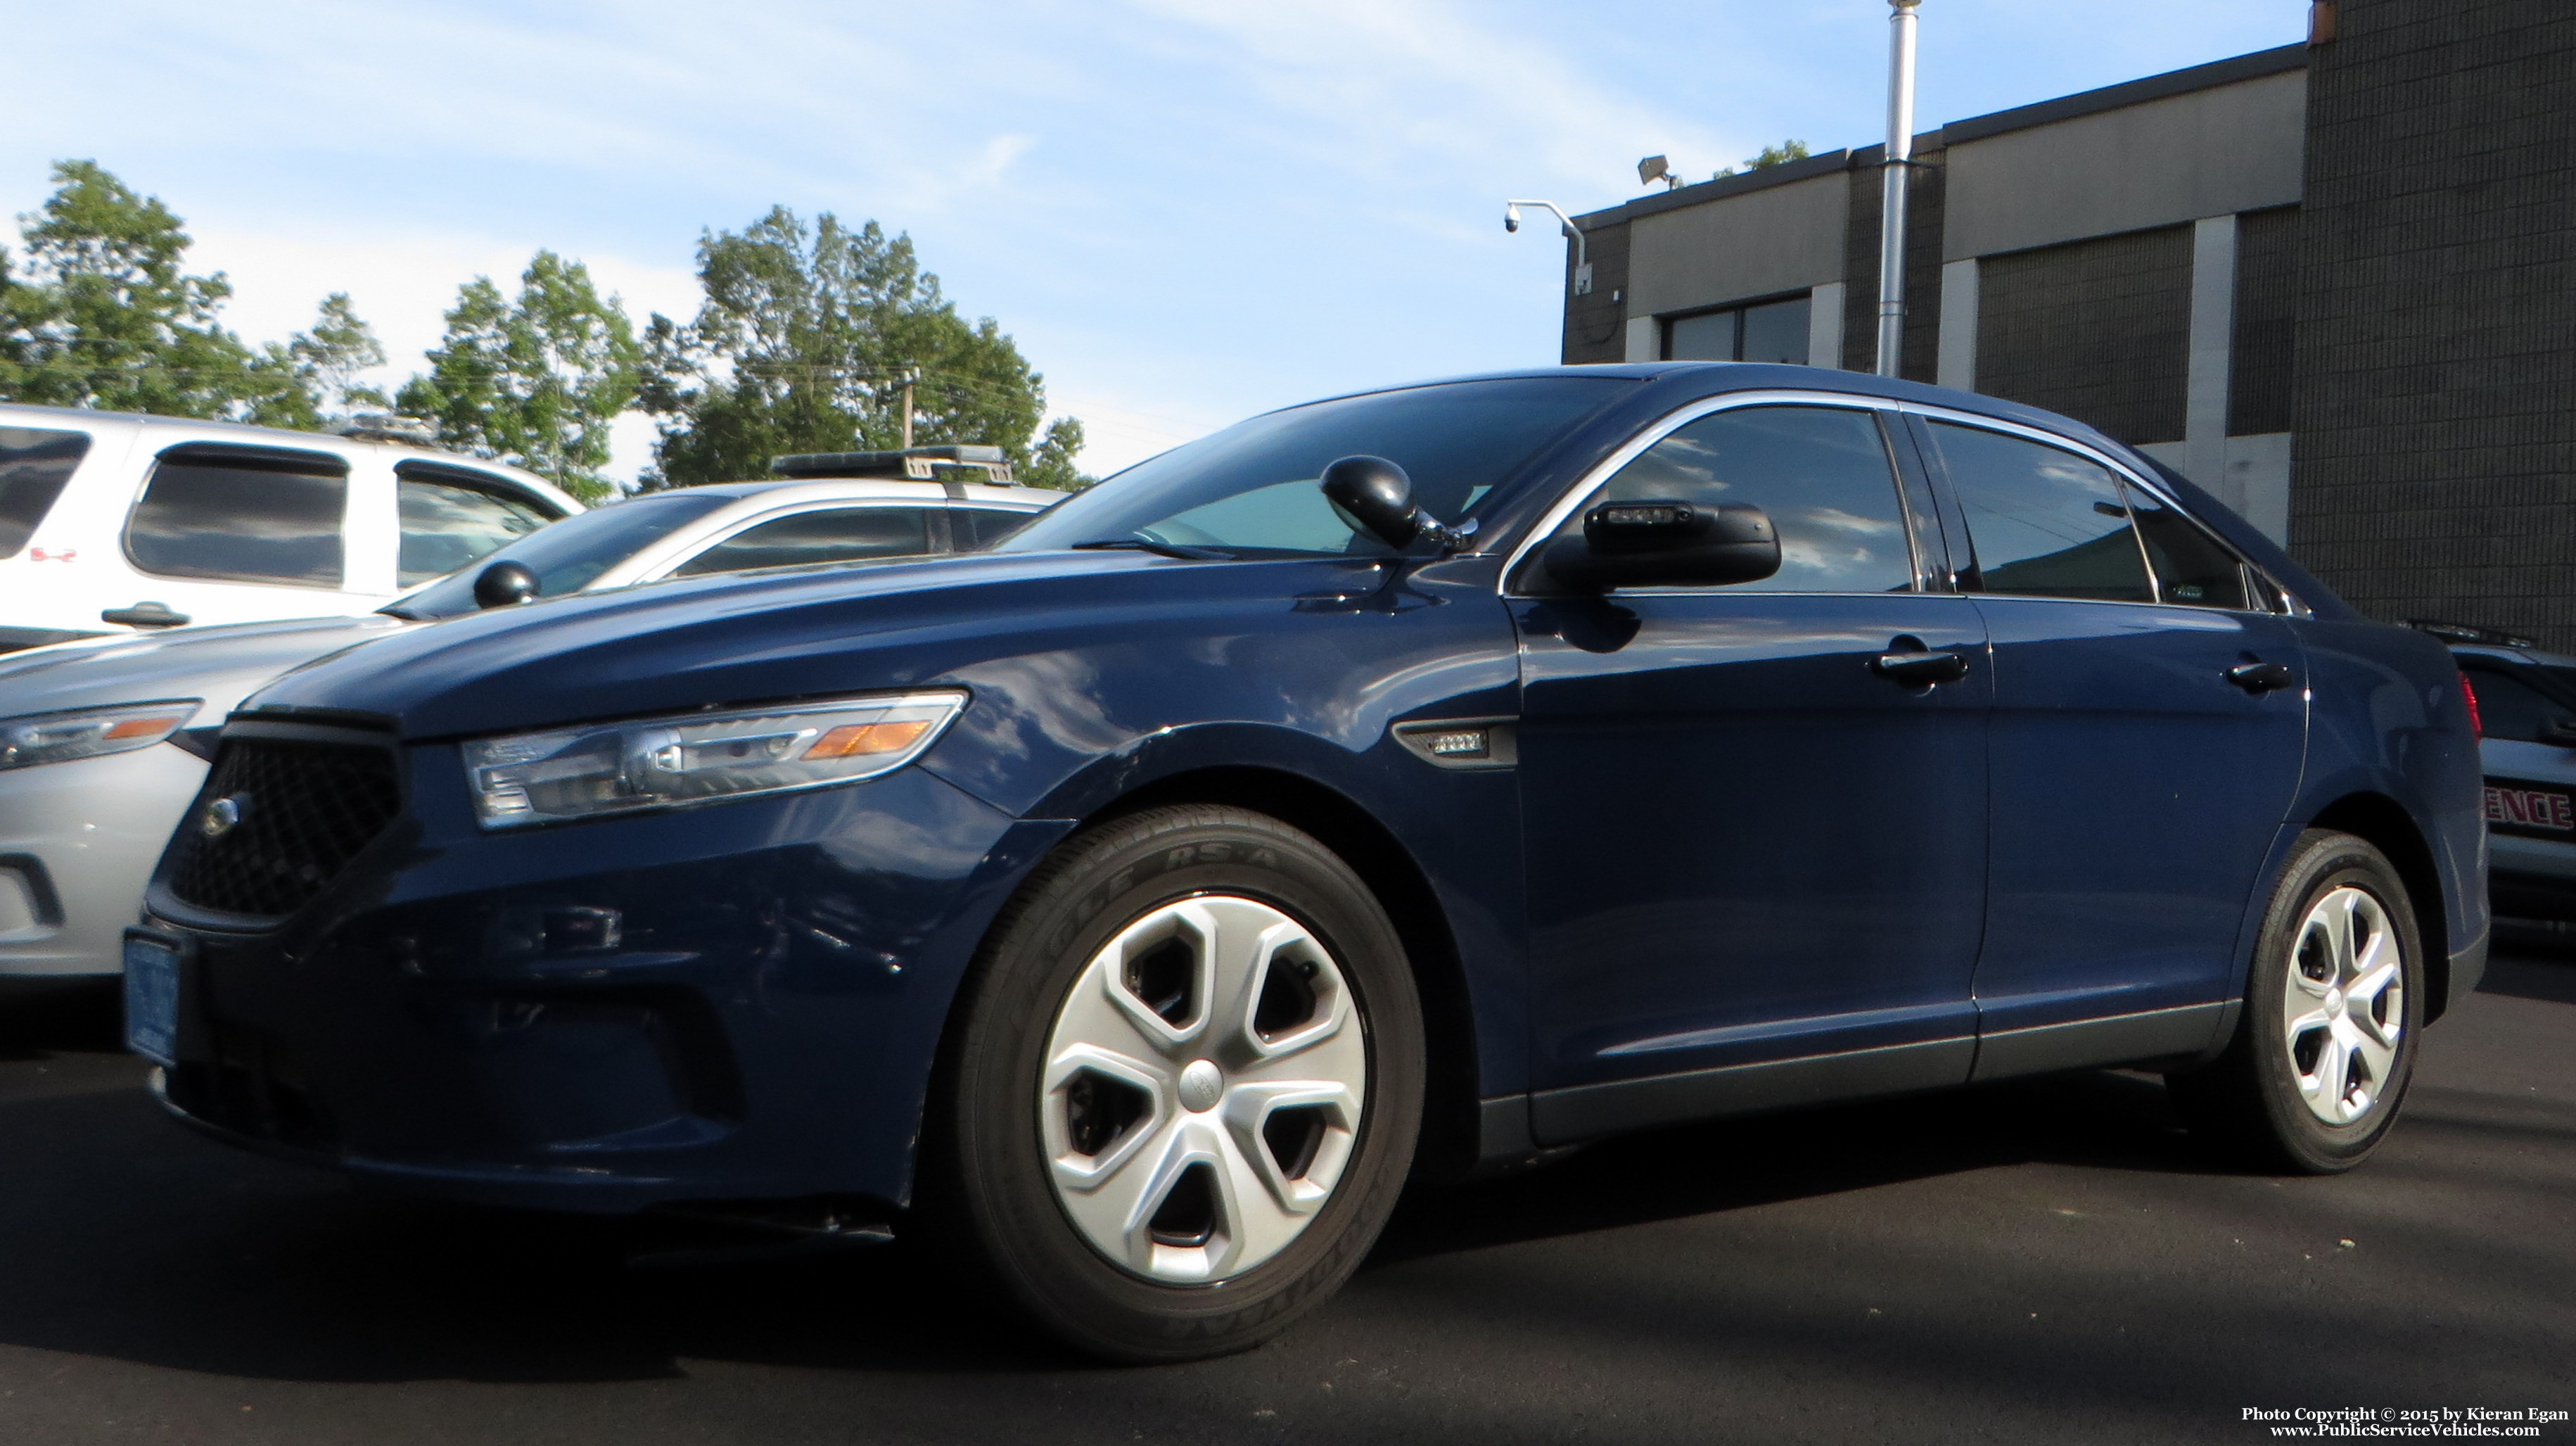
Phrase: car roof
(838,489)
(186,428)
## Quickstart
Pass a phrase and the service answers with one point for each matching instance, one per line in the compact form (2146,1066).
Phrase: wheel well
(1448,1019)
(2383,821)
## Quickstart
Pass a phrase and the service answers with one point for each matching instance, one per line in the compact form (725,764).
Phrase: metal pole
(910,375)
(1900,156)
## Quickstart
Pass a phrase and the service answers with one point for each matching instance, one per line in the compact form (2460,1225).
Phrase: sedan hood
(218,664)
(751,638)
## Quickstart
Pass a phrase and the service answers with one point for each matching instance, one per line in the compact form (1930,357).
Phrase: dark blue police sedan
(1420,779)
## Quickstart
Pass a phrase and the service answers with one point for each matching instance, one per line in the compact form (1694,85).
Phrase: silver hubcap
(2344,1007)
(1202,1089)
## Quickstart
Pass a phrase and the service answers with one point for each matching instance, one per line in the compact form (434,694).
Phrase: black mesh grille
(301,812)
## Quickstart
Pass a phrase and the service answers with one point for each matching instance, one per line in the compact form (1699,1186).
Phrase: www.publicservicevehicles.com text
(2402,1421)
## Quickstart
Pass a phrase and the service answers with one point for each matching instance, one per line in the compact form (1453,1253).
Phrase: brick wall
(1596,323)
(2267,305)
(2435,392)
(2099,330)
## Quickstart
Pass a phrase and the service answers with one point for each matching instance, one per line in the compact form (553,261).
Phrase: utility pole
(1900,162)
(910,376)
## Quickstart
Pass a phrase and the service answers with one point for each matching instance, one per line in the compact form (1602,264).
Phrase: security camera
(1511,218)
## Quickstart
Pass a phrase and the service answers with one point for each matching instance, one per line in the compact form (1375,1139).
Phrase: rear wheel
(2325,1045)
(1186,1084)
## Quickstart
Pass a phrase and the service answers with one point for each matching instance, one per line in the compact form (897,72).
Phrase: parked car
(104,742)
(112,523)
(1427,777)
(2527,714)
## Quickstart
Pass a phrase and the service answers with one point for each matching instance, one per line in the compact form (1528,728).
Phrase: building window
(1773,331)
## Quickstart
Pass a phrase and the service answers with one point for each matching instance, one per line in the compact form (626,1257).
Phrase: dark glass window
(1252,487)
(1820,473)
(568,555)
(34,465)
(2045,522)
(445,526)
(2192,568)
(1775,331)
(975,528)
(2511,709)
(841,534)
(254,517)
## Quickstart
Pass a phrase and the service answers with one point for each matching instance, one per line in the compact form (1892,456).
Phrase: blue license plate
(152,998)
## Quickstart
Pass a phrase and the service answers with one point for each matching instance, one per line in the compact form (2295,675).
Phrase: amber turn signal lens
(852,740)
(143,727)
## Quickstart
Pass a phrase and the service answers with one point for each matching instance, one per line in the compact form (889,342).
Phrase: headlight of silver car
(605,768)
(89,732)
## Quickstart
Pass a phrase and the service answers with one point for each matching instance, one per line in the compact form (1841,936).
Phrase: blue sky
(1184,210)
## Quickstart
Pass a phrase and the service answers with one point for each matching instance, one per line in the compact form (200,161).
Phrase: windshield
(566,555)
(1251,490)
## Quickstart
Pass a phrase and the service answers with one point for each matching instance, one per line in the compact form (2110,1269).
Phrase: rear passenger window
(34,465)
(242,514)
(446,526)
(845,534)
(977,528)
(2044,521)
(1820,473)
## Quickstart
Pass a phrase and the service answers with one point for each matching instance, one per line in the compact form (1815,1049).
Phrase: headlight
(87,733)
(605,768)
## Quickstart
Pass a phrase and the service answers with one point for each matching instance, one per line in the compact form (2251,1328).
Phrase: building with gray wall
(2333,283)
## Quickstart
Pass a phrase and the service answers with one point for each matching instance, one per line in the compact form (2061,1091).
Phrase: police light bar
(919,464)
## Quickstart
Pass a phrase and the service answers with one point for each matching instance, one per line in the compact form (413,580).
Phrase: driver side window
(1821,474)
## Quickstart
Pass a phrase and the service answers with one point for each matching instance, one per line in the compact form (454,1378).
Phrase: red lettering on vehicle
(2531,808)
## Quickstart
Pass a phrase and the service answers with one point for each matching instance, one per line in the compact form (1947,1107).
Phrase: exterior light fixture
(1655,168)
(1582,253)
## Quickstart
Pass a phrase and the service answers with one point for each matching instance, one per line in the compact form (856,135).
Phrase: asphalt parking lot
(2051,1261)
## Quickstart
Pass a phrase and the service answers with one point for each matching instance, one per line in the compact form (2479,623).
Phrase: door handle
(145,615)
(1919,670)
(2261,677)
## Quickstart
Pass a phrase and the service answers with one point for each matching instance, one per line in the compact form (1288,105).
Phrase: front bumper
(732,1002)
(77,844)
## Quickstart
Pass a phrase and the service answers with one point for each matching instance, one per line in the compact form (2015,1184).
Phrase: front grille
(298,812)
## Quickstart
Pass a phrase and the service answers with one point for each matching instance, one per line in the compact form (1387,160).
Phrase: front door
(2149,725)
(1755,866)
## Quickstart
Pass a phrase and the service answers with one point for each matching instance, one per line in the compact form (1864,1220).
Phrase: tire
(2325,1045)
(1110,1068)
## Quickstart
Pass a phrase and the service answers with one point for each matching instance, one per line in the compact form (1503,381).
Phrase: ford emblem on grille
(221,815)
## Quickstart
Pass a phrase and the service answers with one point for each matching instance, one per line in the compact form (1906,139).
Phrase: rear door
(2150,721)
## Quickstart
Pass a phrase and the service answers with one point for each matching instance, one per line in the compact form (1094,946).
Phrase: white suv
(112,522)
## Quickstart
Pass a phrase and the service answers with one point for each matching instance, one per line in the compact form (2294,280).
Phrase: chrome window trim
(1673,421)
(2152,486)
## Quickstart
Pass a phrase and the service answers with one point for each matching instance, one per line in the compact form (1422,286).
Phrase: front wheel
(1185,1086)
(2325,1045)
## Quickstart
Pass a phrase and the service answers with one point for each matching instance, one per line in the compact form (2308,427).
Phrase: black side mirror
(1666,544)
(504,584)
(1375,499)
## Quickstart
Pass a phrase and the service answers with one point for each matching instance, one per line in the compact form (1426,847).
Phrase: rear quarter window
(34,464)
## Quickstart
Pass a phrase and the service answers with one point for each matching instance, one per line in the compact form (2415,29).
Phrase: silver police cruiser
(2526,703)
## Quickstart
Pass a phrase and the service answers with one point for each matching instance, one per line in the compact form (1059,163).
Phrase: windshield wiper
(1148,544)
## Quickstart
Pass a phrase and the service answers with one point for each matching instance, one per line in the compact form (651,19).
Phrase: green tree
(534,382)
(1779,155)
(105,315)
(802,345)
(313,377)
